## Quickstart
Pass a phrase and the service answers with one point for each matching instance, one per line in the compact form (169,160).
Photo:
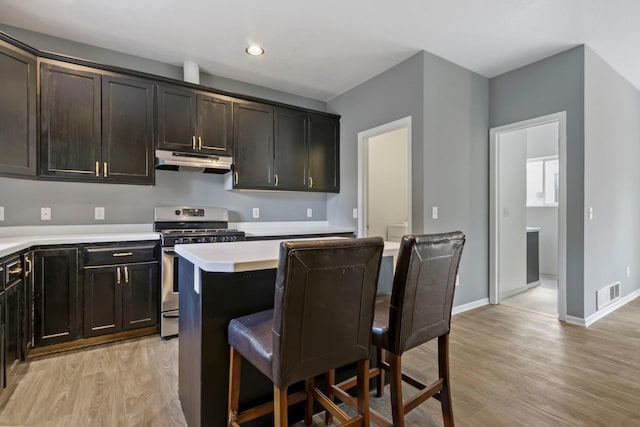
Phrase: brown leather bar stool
(418,310)
(322,319)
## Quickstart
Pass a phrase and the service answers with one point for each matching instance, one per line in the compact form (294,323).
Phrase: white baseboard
(604,312)
(469,306)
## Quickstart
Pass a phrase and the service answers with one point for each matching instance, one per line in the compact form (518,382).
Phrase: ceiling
(321,49)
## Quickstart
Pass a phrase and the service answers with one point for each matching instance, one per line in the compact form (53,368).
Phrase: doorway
(384,180)
(528,215)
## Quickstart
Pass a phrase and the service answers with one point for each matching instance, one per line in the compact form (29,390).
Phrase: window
(543,185)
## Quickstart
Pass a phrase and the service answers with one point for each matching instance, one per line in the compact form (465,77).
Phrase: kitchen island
(219,282)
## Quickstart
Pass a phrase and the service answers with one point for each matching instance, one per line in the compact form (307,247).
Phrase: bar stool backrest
(423,289)
(324,304)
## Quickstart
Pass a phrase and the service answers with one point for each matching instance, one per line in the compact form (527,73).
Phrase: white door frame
(494,192)
(363,168)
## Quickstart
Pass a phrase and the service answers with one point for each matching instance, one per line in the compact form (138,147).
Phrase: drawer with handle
(108,255)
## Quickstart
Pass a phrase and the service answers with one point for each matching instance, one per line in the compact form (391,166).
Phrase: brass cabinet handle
(15,270)
(118,275)
(193,139)
(97,168)
(27,261)
(117,254)
(126,274)
(104,169)
(310,182)
(199,143)
(276,180)
(235,177)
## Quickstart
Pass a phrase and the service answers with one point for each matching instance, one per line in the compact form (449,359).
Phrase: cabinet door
(17,112)
(13,322)
(103,300)
(127,130)
(140,296)
(290,160)
(176,119)
(324,152)
(214,130)
(253,145)
(70,123)
(55,296)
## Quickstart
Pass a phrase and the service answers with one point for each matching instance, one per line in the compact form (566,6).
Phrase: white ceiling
(320,49)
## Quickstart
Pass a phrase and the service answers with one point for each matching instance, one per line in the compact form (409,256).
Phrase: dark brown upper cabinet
(324,154)
(18,141)
(190,121)
(95,127)
(127,130)
(291,149)
(253,145)
(70,145)
(298,151)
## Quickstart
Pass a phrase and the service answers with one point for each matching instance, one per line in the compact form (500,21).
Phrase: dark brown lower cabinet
(102,300)
(120,297)
(55,298)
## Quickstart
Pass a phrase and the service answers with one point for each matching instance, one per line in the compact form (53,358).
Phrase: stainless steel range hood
(171,160)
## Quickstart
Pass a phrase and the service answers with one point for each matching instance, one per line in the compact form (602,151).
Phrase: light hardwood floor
(509,368)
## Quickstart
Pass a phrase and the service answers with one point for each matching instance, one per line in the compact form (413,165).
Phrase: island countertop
(231,257)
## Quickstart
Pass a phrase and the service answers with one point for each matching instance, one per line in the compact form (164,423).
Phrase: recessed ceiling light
(254,50)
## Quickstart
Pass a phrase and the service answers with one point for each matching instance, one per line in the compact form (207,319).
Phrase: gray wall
(612,153)
(448,105)
(549,86)
(73,203)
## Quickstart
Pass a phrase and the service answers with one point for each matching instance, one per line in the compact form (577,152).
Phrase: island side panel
(204,354)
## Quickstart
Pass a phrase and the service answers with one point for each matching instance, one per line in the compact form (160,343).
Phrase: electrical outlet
(309,212)
(590,212)
(355,213)
(256,212)
(99,213)
(628,271)
(1,213)
(457,280)
(434,212)
(45,214)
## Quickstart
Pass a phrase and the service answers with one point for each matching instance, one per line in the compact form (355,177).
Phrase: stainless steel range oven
(182,225)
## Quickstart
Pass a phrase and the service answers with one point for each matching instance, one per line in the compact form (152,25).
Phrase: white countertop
(244,256)
(11,242)
(288,228)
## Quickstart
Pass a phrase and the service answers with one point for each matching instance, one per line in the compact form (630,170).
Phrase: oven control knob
(201,240)
(179,240)
(177,212)
(212,239)
(188,240)
(232,238)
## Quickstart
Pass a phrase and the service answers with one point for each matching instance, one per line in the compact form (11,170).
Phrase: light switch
(309,212)
(434,212)
(1,213)
(590,212)
(45,214)
(256,212)
(355,213)
(99,213)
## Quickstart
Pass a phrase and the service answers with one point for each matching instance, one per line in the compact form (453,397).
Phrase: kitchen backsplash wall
(74,203)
